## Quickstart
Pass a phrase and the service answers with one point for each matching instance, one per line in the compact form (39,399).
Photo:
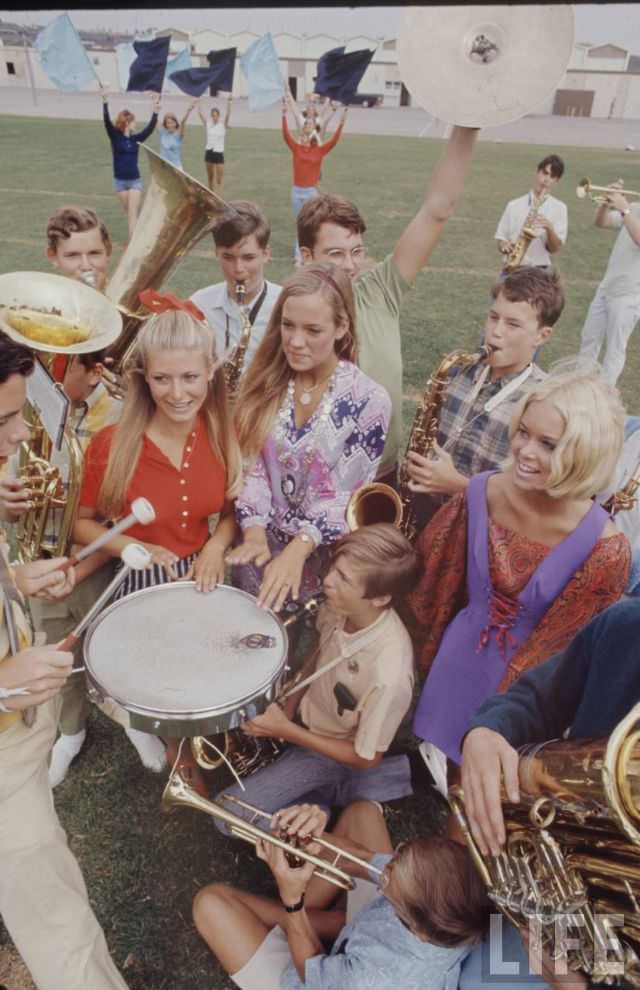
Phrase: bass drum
(173,661)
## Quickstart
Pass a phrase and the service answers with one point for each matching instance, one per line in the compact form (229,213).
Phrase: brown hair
(555,163)
(68,220)
(440,892)
(541,289)
(89,361)
(265,383)
(15,359)
(327,208)
(124,117)
(241,220)
(388,563)
(170,116)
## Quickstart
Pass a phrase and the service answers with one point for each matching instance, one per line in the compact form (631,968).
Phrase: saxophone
(625,498)
(425,427)
(526,235)
(571,862)
(234,364)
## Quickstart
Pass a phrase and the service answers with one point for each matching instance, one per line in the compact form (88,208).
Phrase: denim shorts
(123,185)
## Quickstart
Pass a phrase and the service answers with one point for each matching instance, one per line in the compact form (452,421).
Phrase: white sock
(149,748)
(64,751)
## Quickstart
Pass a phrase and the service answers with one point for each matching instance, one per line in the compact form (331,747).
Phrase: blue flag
(261,67)
(224,62)
(181,62)
(341,73)
(147,71)
(62,55)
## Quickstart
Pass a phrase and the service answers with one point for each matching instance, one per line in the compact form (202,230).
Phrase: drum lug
(95,695)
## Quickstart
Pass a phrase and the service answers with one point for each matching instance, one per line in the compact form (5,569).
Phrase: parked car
(365,100)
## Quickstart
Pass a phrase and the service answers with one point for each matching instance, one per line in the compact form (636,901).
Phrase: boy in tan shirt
(348,717)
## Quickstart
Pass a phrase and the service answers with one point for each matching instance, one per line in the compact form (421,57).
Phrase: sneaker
(64,751)
(149,748)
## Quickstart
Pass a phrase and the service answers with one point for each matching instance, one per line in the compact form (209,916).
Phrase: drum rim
(191,714)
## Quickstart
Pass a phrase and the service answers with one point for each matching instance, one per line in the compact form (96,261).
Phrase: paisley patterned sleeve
(442,591)
(597,584)
(253,505)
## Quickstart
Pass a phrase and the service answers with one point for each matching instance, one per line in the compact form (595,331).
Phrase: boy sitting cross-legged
(339,728)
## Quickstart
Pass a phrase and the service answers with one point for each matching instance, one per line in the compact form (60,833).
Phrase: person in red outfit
(308,154)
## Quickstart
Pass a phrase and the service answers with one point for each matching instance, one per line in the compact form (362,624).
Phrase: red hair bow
(160,302)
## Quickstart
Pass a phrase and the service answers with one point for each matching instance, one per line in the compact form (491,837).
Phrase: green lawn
(141,867)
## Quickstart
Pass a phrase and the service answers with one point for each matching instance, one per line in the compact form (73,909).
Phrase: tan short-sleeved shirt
(24,637)
(377,668)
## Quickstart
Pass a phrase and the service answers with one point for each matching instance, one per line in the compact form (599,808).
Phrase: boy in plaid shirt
(473,422)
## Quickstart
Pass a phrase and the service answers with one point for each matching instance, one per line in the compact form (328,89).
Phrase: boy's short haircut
(89,361)
(327,208)
(540,288)
(388,563)
(555,163)
(15,359)
(70,220)
(242,219)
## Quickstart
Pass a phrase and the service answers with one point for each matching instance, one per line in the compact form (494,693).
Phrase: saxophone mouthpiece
(485,352)
(240,293)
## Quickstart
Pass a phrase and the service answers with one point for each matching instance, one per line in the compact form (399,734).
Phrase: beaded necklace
(294,489)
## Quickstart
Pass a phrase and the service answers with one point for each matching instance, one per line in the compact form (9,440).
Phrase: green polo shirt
(379,294)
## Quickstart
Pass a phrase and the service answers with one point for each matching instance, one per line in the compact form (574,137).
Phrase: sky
(595,23)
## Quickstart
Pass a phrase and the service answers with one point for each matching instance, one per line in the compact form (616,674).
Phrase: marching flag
(224,62)
(63,56)
(147,71)
(262,69)
(125,57)
(340,74)
(180,63)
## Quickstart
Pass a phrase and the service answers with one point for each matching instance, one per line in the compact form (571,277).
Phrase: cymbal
(487,65)
(64,297)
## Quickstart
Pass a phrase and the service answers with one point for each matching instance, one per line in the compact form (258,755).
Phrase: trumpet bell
(487,65)
(65,305)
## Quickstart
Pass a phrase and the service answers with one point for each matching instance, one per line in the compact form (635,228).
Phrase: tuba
(571,862)
(176,213)
(51,462)
(235,363)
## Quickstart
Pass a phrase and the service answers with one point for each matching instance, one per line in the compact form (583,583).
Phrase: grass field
(142,868)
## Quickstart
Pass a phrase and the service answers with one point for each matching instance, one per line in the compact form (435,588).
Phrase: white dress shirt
(514,216)
(221,313)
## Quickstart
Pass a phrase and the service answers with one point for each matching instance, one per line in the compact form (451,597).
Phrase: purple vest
(478,644)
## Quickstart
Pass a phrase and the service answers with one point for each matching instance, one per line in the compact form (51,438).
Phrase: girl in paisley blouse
(520,561)
(312,428)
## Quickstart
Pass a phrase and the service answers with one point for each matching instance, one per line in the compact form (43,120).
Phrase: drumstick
(135,558)
(142,512)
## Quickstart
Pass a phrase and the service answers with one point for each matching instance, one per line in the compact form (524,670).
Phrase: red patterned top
(513,558)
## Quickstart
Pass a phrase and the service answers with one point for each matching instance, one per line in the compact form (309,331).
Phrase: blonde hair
(265,384)
(592,411)
(168,331)
(385,560)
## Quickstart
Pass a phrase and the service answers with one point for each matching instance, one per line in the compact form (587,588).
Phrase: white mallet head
(143,511)
(135,556)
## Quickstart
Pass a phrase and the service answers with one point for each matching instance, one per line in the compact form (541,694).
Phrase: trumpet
(178,793)
(600,194)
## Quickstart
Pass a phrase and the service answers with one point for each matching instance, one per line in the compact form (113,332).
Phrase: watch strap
(293,908)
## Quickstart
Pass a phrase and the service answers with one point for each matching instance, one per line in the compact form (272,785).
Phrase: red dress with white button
(183,499)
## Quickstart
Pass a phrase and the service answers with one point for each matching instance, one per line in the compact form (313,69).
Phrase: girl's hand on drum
(164,558)
(254,547)
(282,577)
(208,569)
(273,722)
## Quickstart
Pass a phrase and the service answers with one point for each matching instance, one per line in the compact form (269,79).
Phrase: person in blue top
(171,133)
(124,147)
(411,931)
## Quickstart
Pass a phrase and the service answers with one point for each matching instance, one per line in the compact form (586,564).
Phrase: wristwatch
(305,538)
(625,213)
(298,906)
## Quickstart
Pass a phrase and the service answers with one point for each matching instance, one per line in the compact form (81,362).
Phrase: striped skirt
(151,576)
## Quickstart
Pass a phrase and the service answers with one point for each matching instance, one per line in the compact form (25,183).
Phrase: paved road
(405,121)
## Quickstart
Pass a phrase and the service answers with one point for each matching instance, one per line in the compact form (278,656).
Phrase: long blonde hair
(265,384)
(585,457)
(168,331)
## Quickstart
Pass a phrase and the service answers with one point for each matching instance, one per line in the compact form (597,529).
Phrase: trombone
(600,194)
(177,792)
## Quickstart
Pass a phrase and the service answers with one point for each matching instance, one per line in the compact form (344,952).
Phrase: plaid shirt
(478,440)
(84,419)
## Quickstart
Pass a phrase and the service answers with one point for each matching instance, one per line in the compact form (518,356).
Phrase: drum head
(178,654)
(484,65)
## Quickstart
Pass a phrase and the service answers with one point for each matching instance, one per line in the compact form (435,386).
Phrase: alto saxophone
(425,426)
(527,233)
(235,363)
